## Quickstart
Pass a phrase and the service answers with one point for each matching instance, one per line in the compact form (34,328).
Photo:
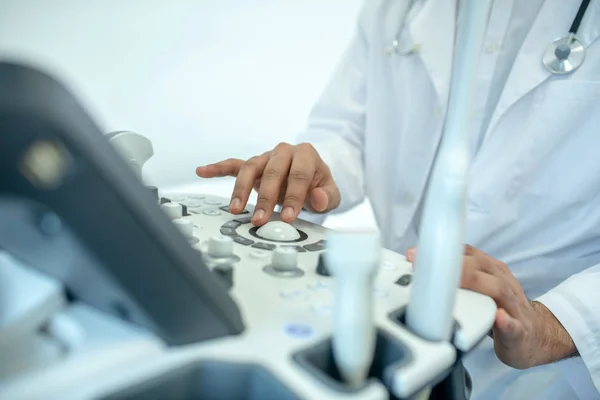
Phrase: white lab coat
(534,197)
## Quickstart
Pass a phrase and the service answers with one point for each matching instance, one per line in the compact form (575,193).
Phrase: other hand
(525,332)
(294,177)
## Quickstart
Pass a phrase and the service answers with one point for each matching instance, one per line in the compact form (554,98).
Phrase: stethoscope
(563,56)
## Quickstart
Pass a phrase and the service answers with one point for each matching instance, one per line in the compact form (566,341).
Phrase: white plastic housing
(352,259)
(438,264)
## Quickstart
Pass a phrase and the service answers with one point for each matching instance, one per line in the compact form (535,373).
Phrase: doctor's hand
(525,333)
(294,177)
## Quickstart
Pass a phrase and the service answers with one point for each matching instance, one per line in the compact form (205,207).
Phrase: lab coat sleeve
(336,124)
(576,304)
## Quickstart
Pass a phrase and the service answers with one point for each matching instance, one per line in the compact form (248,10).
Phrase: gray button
(212,202)
(264,246)
(243,221)
(228,231)
(226,209)
(404,280)
(299,249)
(242,240)
(318,246)
(231,224)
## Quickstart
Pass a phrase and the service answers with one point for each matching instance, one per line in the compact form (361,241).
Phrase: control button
(293,295)
(318,246)
(242,240)
(220,246)
(278,231)
(404,280)
(389,266)
(164,200)
(173,210)
(243,221)
(321,268)
(377,292)
(320,286)
(228,231)
(299,249)
(193,204)
(263,246)
(178,199)
(185,226)
(231,224)
(212,213)
(184,210)
(322,309)
(226,209)
(197,196)
(259,254)
(299,331)
(284,264)
(212,202)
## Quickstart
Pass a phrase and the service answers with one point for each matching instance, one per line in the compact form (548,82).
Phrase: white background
(204,80)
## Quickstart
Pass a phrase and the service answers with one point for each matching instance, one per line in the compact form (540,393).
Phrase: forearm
(554,342)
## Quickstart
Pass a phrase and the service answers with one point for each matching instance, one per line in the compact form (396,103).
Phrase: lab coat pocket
(560,160)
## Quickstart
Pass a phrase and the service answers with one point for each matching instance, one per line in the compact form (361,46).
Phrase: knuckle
(299,176)
(283,147)
(271,173)
(252,162)
(263,199)
(292,198)
(305,147)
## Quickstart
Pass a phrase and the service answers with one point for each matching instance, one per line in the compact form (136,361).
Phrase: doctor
(534,196)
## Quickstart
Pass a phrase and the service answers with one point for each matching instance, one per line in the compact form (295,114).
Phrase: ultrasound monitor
(71,207)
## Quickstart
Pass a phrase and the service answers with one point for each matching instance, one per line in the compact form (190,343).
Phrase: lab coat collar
(432,31)
(528,72)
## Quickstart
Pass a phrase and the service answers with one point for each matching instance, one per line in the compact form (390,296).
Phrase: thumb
(506,328)
(325,198)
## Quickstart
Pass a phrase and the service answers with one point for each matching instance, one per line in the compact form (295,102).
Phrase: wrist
(552,341)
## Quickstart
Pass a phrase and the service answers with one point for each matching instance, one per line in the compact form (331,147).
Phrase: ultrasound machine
(111,289)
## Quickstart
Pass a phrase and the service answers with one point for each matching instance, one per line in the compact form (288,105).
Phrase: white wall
(204,80)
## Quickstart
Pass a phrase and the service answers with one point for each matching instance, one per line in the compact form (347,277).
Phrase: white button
(197,196)
(178,199)
(185,226)
(284,259)
(193,204)
(322,309)
(258,254)
(278,231)
(320,285)
(212,202)
(389,266)
(212,213)
(220,246)
(173,210)
(293,295)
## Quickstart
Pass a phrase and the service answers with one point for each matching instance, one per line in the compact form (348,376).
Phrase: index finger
(229,167)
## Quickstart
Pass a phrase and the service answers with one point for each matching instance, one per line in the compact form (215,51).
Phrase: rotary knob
(173,210)
(220,246)
(185,226)
(284,263)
